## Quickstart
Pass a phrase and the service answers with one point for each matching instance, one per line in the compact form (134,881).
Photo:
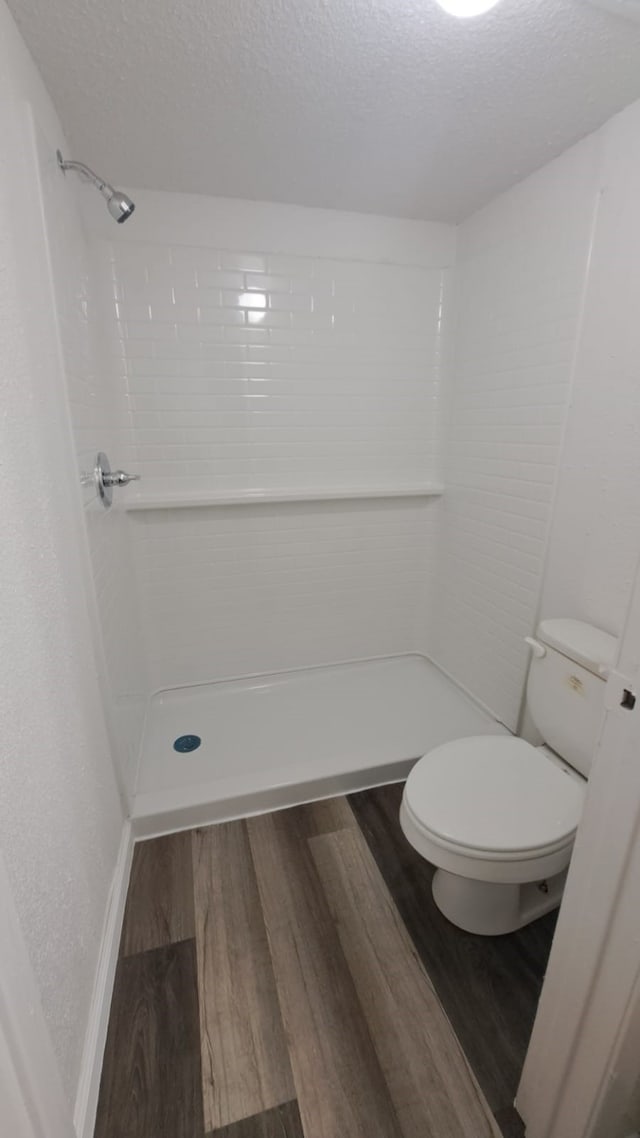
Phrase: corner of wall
(86,1104)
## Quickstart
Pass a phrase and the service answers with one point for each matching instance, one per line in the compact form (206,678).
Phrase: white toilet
(497,815)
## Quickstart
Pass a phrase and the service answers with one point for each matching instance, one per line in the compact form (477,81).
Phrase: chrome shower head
(119,205)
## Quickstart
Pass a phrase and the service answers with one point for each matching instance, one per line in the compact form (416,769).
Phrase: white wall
(92,402)
(92,399)
(236,590)
(250,370)
(542,512)
(333,379)
(61,817)
(595,539)
(520,278)
(19,78)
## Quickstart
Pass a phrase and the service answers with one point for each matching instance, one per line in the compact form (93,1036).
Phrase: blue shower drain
(186,743)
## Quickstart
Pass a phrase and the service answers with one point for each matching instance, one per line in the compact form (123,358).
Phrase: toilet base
(491,909)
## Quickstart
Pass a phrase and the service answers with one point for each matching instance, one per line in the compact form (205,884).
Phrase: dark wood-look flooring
(160,901)
(151,1078)
(281,1122)
(488,986)
(289,976)
(245,1061)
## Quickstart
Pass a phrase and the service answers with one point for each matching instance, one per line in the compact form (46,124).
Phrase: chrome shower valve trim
(106,479)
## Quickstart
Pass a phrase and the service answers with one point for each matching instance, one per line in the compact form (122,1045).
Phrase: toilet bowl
(497,817)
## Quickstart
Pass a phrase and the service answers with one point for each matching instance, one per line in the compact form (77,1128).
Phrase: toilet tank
(565,688)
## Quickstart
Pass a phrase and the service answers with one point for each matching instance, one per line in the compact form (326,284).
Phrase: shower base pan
(277,740)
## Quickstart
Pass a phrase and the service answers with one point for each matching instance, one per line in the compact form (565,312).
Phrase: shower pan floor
(276,740)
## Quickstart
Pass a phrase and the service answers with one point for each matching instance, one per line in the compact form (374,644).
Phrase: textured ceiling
(385,106)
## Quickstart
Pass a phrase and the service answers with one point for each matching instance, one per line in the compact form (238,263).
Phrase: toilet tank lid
(581,642)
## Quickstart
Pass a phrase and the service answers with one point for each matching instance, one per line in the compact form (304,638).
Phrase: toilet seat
(493,798)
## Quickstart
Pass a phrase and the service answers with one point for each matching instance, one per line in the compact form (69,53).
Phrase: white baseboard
(84,1114)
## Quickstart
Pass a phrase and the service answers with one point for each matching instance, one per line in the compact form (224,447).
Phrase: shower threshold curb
(164,812)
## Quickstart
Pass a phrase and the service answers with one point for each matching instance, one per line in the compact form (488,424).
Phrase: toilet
(497,815)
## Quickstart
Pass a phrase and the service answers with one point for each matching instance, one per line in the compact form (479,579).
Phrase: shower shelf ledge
(190,499)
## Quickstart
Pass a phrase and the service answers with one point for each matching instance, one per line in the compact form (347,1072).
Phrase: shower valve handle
(106,479)
(118,478)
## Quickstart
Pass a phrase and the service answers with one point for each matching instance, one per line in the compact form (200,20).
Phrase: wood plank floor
(288,976)
(245,1062)
(160,902)
(151,1078)
(488,986)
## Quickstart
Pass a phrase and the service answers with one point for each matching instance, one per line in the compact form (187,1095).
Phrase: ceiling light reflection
(464,9)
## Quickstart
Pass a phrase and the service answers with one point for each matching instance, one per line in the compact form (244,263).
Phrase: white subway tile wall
(520,277)
(242,589)
(241,369)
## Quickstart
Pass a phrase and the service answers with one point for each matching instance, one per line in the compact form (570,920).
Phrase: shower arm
(119,204)
(86,172)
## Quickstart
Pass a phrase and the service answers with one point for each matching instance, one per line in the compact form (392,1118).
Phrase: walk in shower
(284,414)
(331,561)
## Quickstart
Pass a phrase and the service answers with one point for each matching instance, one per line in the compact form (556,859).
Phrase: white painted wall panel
(520,279)
(93,405)
(288,230)
(60,815)
(595,538)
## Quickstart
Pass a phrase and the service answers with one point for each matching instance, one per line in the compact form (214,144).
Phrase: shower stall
(284,414)
(346,432)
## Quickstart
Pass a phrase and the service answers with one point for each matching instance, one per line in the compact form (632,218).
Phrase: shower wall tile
(232,591)
(242,368)
(520,278)
(254,370)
